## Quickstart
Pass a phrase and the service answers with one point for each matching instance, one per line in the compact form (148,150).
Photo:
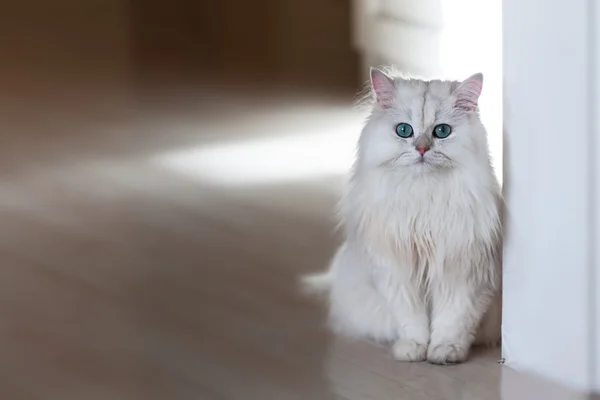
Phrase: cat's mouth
(426,162)
(434,161)
(422,165)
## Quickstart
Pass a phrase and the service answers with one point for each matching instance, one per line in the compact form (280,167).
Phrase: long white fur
(420,262)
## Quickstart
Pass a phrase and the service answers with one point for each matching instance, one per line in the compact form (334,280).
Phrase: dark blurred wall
(289,41)
(48,41)
(61,45)
(61,59)
(314,41)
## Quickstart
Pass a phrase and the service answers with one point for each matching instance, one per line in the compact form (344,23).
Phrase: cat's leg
(357,309)
(409,311)
(413,326)
(380,301)
(460,299)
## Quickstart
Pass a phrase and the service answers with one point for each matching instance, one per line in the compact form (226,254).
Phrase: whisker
(391,162)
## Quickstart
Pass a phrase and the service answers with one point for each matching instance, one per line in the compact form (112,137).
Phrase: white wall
(549,325)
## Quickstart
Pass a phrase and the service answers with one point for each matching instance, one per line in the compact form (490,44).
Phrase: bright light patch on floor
(268,160)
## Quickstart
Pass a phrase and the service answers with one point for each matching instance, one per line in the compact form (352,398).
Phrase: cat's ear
(468,92)
(384,88)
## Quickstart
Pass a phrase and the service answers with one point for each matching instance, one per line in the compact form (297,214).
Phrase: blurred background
(170,168)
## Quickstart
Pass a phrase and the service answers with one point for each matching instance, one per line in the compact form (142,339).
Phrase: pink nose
(422,150)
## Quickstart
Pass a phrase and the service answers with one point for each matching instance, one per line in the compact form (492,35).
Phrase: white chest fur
(426,219)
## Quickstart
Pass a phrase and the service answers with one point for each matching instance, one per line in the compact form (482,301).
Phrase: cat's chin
(421,167)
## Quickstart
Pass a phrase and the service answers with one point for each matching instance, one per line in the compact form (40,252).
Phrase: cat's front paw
(447,353)
(409,350)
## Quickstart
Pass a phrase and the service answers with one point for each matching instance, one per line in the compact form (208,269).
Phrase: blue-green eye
(404,130)
(442,131)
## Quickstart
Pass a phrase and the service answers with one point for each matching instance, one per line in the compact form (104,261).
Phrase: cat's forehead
(408,88)
(441,89)
(423,100)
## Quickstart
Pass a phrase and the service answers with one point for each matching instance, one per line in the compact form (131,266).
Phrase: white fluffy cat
(420,265)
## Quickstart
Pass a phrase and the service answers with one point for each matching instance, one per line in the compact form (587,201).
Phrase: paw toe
(409,351)
(447,353)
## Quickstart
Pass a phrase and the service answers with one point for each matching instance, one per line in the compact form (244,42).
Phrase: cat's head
(423,126)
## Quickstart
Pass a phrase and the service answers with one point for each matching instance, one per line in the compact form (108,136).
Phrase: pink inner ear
(467,94)
(384,88)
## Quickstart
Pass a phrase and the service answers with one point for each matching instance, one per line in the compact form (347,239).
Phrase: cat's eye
(404,130)
(442,131)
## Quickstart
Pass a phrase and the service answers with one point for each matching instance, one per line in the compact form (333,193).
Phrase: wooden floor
(155,255)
